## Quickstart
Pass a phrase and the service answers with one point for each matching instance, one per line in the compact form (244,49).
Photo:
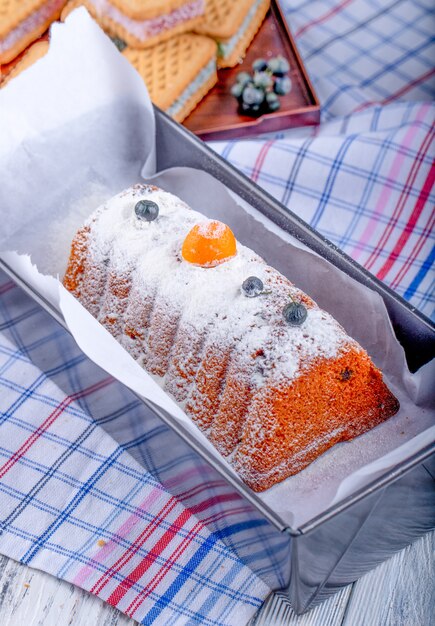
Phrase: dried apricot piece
(208,244)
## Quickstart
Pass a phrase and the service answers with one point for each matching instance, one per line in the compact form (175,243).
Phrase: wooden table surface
(400,592)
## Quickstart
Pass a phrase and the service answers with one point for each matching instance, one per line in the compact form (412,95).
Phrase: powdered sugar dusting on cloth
(210,300)
(144,29)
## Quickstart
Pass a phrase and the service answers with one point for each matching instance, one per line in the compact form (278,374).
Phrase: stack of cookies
(176,45)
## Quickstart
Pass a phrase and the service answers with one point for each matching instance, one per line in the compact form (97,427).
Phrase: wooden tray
(217,117)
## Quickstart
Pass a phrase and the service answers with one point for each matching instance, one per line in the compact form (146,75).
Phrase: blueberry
(272,101)
(263,80)
(252,95)
(283,85)
(280,66)
(243,78)
(236,90)
(294,313)
(273,65)
(259,65)
(284,65)
(146,210)
(252,287)
(251,109)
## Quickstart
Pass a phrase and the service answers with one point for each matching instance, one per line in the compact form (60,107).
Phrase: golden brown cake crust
(77,260)
(344,398)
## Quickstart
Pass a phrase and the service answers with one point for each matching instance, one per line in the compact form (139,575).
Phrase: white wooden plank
(400,592)
(33,598)
(278,612)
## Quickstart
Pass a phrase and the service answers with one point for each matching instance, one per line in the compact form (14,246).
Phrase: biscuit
(233,25)
(178,73)
(140,10)
(146,32)
(33,54)
(22,22)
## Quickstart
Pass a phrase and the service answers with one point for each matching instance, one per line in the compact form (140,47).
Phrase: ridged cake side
(270,396)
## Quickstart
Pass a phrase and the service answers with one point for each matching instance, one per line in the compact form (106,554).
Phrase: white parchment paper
(78,127)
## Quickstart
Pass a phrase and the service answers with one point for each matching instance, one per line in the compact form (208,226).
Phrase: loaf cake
(270,378)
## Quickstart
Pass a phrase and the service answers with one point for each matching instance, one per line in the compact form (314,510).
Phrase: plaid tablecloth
(81,486)
(78,504)
(365,177)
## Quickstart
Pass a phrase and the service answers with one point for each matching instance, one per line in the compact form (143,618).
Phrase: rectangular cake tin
(313,560)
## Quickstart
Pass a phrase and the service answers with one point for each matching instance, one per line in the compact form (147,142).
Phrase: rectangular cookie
(233,25)
(178,73)
(22,22)
(140,10)
(143,32)
(33,54)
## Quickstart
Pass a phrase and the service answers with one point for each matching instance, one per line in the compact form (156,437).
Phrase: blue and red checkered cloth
(79,504)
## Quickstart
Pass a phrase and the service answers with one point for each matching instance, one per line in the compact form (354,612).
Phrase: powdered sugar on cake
(151,252)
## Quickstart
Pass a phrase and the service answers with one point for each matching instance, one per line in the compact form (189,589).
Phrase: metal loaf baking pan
(316,559)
